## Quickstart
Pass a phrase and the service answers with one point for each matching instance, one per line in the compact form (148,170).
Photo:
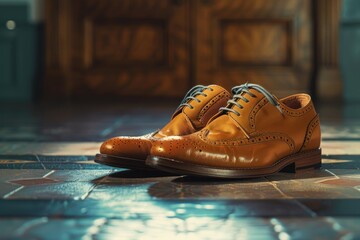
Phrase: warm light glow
(10,24)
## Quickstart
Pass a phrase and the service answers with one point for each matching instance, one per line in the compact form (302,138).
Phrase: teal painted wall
(20,53)
(350,49)
(35,8)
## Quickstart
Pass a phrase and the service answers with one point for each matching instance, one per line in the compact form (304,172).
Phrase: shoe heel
(309,160)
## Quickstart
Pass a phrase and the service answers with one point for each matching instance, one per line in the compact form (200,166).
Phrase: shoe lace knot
(192,94)
(239,93)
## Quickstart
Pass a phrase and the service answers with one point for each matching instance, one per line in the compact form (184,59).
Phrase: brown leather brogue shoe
(198,106)
(255,135)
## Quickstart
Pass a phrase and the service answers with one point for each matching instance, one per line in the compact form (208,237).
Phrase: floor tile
(341,161)
(333,207)
(8,178)
(188,187)
(182,228)
(54,190)
(317,184)
(49,148)
(80,175)
(50,183)
(340,147)
(51,162)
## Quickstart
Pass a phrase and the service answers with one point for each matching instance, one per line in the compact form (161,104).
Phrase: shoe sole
(122,162)
(293,163)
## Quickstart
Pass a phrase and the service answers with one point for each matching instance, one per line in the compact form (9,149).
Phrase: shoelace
(191,95)
(239,94)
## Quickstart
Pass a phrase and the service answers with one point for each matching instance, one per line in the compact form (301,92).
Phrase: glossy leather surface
(257,138)
(184,121)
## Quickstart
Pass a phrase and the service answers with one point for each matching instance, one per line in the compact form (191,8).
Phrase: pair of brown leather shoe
(250,135)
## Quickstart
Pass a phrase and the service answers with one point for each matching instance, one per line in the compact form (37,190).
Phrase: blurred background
(96,50)
(74,73)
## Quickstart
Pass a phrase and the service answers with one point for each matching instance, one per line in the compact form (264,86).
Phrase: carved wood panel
(328,78)
(255,42)
(131,43)
(113,48)
(261,41)
(118,48)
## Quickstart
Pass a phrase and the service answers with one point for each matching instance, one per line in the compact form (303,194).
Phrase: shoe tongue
(199,108)
(249,97)
(216,90)
(228,125)
(186,120)
(252,100)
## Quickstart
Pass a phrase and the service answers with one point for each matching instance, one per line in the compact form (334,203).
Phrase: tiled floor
(51,188)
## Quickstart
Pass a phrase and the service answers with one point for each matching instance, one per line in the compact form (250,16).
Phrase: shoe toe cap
(132,147)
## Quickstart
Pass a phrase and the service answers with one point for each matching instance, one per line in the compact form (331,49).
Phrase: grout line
(278,189)
(38,159)
(336,176)
(13,192)
(49,173)
(308,210)
(30,224)
(85,195)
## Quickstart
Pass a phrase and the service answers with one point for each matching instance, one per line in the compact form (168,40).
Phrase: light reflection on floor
(50,184)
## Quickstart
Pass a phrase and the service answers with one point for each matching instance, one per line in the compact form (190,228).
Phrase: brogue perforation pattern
(211,103)
(265,137)
(310,131)
(255,110)
(139,141)
(296,113)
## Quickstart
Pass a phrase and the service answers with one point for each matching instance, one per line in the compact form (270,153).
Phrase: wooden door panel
(254,42)
(130,43)
(124,48)
(263,41)
(115,48)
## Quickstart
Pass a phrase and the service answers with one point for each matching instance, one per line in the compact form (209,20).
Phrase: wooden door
(262,41)
(105,49)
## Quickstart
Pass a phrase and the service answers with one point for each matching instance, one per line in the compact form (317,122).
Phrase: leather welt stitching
(255,110)
(213,101)
(267,137)
(310,130)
